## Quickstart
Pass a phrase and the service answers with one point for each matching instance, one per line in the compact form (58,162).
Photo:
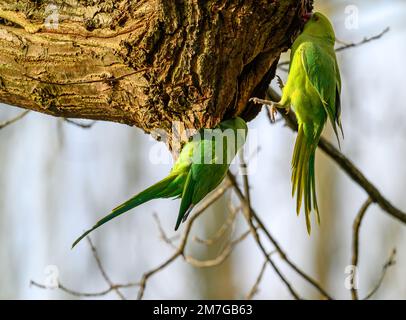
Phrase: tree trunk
(147,63)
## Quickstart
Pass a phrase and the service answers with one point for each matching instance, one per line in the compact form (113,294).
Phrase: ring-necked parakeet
(202,165)
(313,90)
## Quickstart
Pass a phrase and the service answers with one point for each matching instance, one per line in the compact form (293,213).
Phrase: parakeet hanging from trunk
(313,90)
(201,167)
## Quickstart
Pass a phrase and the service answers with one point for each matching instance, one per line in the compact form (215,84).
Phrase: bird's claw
(261,101)
(272,111)
(280,82)
(271,106)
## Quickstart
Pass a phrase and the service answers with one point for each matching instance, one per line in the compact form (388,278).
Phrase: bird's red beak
(307,16)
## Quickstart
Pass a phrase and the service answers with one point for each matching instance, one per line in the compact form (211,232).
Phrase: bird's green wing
(169,187)
(201,180)
(204,176)
(321,69)
(202,152)
(209,177)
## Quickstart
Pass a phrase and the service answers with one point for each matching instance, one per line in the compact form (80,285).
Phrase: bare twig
(355,240)
(181,248)
(282,254)
(247,198)
(112,286)
(248,214)
(101,268)
(391,261)
(229,223)
(346,165)
(13,120)
(282,64)
(162,232)
(364,41)
(254,288)
(85,294)
(80,124)
(225,253)
(269,259)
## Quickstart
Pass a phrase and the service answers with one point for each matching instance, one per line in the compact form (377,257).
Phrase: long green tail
(169,187)
(303,173)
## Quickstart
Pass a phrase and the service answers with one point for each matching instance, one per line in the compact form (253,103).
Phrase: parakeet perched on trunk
(201,167)
(313,90)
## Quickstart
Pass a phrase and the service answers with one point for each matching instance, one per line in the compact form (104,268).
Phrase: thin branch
(225,253)
(13,120)
(162,232)
(345,164)
(85,294)
(112,286)
(80,124)
(180,250)
(391,261)
(364,41)
(248,214)
(268,257)
(229,223)
(355,240)
(246,196)
(281,65)
(282,254)
(254,289)
(101,268)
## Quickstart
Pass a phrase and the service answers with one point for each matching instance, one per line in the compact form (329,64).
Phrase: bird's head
(318,25)
(235,124)
(240,129)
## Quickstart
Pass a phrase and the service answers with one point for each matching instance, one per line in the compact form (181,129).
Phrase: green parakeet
(201,167)
(313,90)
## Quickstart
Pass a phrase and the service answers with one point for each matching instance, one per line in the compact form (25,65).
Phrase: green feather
(313,90)
(166,188)
(303,173)
(190,178)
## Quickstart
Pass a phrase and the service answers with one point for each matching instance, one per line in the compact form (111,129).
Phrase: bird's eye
(316,18)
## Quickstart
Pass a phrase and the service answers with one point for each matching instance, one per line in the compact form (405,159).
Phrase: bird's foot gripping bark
(272,107)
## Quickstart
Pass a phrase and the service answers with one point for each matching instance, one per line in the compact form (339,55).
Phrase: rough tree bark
(145,63)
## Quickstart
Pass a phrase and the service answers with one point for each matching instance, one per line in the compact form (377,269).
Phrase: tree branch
(254,288)
(13,120)
(355,240)
(281,252)
(101,268)
(145,63)
(80,124)
(346,46)
(181,248)
(225,253)
(86,294)
(391,261)
(364,41)
(112,286)
(248,216)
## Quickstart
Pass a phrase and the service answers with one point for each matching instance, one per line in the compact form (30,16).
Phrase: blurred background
(57,179)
